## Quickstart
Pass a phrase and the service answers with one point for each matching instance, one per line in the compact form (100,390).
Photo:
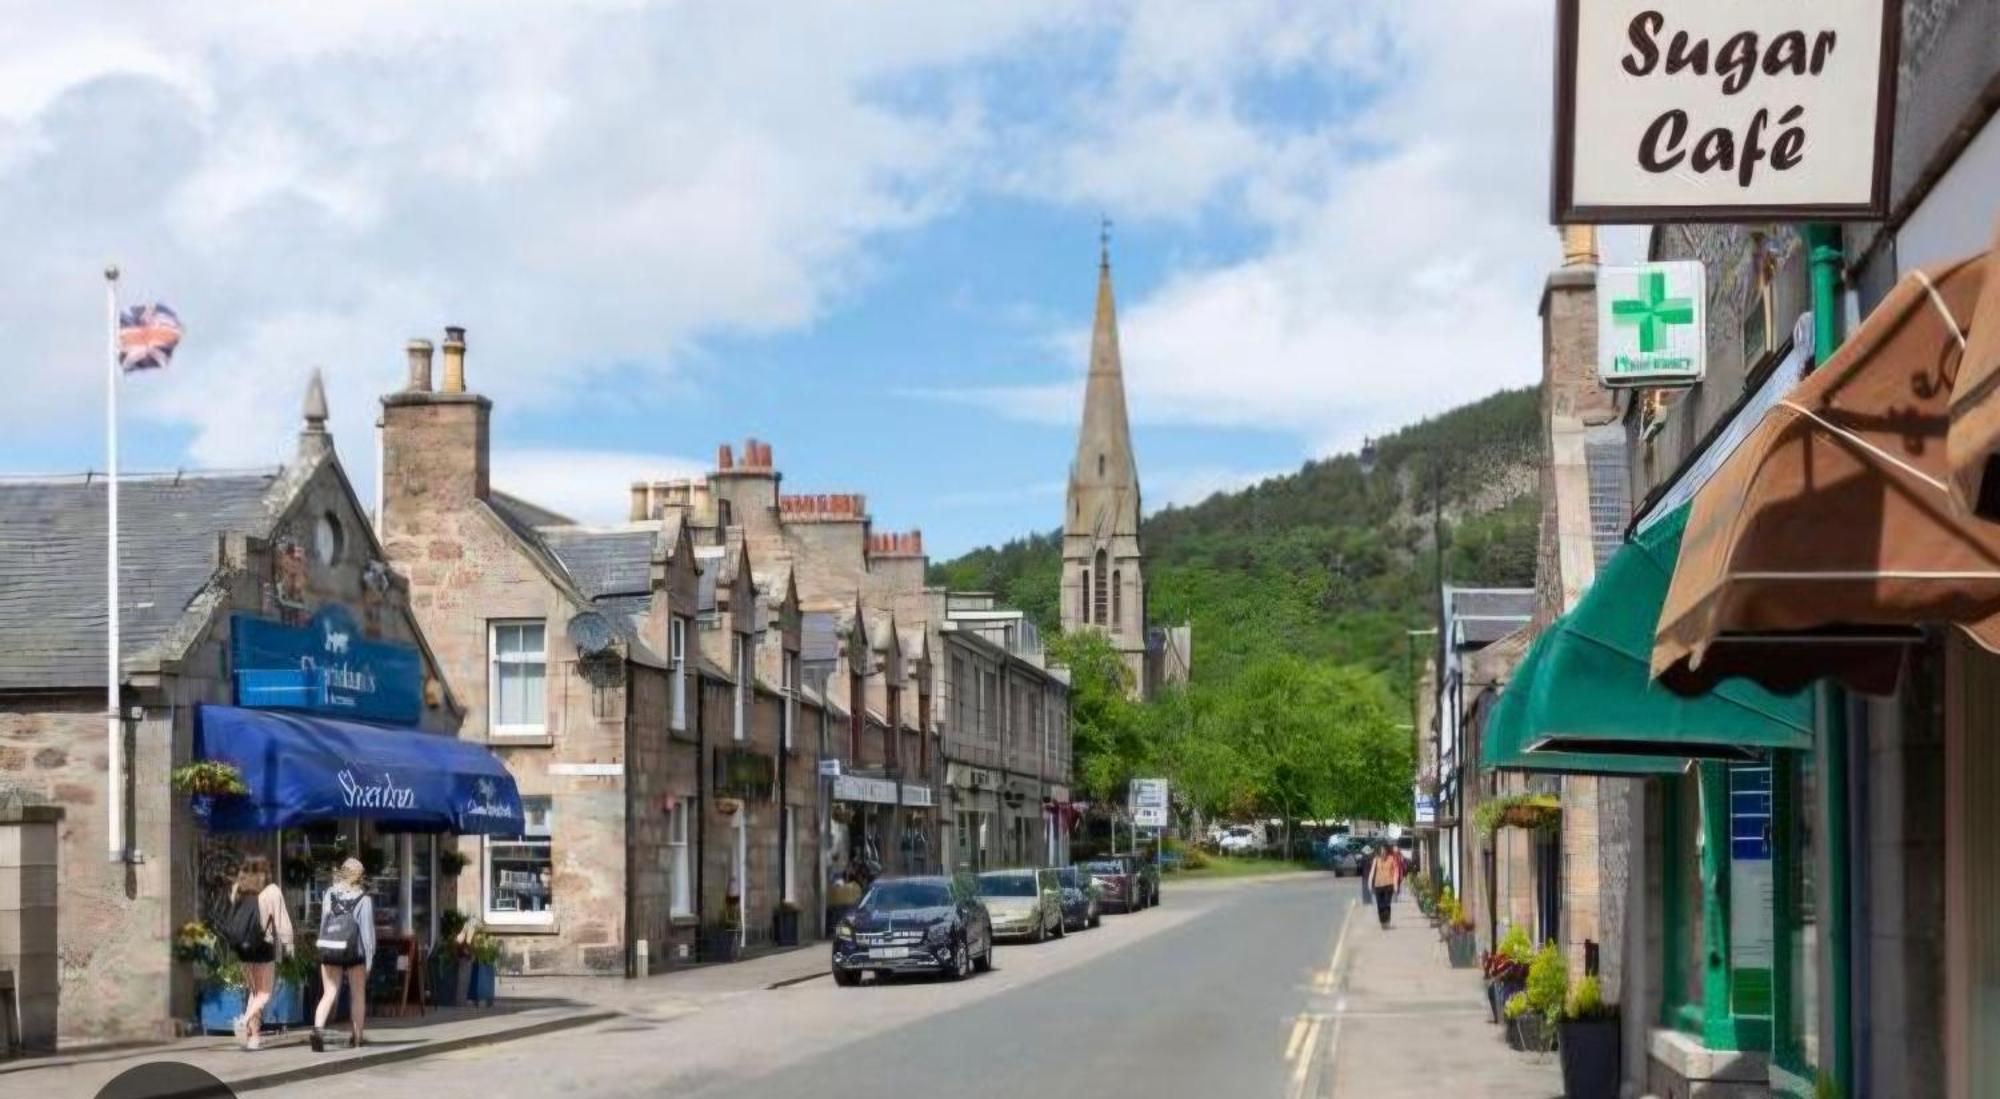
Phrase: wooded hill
(1326,563)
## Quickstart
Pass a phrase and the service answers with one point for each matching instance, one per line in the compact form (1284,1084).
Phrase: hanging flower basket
(1540,812)
(728,807)
(208,779)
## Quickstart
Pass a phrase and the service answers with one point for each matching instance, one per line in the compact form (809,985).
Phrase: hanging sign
(1724,110)
(1652,324)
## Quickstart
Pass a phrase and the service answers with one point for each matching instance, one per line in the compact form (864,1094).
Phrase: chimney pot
(724,458)
(1579,244)
(419,352)
(454,359)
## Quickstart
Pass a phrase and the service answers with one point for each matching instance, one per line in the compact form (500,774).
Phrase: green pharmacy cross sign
(1652,325)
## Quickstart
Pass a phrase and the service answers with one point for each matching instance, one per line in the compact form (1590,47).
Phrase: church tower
(1103,580)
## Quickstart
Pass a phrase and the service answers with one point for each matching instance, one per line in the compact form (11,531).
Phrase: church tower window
(1099,606)
(1117,598)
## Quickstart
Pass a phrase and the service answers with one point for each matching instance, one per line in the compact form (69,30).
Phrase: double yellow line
(1302,1051)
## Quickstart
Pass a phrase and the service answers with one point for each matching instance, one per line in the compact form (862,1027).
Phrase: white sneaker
(254,1043)
(240,1026)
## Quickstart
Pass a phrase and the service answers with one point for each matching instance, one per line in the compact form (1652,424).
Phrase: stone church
(1104,579)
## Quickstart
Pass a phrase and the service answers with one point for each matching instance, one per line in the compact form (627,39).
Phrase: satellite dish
(590,633)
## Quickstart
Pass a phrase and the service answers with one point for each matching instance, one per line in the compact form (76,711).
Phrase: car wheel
(1041,934)
(846,978)
(1062,926)
(1096,918)
(961,963)
(984,962)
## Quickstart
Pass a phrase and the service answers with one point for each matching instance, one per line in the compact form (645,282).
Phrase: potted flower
(719,940)
(287,1006)
(785,924)
(221,990)
(208,778)
(1507,968)
(484,949)
(729,807)
(451,862)
(1533,1012)
(451,959)
(1589,1043)
(1461,944)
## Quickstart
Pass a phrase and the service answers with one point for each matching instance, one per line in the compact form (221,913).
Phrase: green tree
(1107,731)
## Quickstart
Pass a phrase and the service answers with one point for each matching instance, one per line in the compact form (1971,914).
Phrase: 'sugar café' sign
(1724,110)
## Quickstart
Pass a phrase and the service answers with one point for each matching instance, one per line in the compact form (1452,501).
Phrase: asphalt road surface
(1212,994)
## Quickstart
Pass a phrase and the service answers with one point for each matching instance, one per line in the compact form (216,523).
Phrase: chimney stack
(1579,244)
(419,352)
(454,360)
(725,459)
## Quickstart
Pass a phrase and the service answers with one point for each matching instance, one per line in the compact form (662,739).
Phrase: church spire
(1104,479)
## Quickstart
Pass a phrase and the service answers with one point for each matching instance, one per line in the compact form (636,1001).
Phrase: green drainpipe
(1825,260)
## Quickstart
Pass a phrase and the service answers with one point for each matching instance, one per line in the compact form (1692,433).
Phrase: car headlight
(938,935)
(844,933)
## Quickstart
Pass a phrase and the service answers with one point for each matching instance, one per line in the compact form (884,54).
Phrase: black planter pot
(1462,947)
(785,928)
(719,945)
(1590,1058)
(1497,994)
(1531,1034)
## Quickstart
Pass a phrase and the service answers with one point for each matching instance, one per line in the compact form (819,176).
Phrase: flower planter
(785,928)
(719,945)
(219,1008)
(1463,949)
(1531,1034)
(481,983)
(451,979)
(1498,992)
(1590,1058)
(286,1007)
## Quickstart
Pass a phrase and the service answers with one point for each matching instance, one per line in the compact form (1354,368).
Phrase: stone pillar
(28,917)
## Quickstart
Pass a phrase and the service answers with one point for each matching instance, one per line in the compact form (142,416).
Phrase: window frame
(680,884)
(506,918)
(788,677)
(495,728)
(677,656)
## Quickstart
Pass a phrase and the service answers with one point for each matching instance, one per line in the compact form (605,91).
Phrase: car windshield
(897,896)
(1105,866)
(1006,885)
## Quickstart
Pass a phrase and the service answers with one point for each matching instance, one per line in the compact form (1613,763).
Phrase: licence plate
(889,953)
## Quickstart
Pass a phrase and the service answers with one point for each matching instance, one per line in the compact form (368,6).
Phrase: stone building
(216,572)
(1104,563)
(577,652)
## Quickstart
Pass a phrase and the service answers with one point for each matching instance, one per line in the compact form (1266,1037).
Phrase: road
(1212,994)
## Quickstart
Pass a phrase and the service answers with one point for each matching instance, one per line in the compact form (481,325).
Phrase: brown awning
(1974,441)
(1830,536)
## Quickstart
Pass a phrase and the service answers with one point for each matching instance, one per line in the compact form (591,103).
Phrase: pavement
(1279,986)
(1403,1024)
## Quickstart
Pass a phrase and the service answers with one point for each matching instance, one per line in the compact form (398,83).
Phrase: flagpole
(114,723)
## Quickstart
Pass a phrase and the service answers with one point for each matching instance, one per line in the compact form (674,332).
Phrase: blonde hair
(251,877)
(350,873)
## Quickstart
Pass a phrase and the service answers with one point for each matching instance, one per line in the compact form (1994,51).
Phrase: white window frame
(486,843)
(790,676)
(791,841)
(739,868)
(680,890)
(677,655)
(740,648)
(494,727)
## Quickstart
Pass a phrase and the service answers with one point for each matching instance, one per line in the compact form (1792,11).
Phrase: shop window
(677,649)
(681,868)
(519,870)
(519,704)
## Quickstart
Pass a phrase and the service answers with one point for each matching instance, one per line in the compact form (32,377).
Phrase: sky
(866,233)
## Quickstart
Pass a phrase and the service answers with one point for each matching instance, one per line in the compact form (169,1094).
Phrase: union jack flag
(147,336)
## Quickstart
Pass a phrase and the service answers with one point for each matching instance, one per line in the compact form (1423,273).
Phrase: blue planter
(220,1007)
(451,978)
(480,989)
(286,1007)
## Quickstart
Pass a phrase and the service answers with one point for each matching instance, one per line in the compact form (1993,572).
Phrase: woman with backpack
(258,928)
(346,944)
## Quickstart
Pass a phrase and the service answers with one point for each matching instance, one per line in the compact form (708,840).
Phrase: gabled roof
(52,542)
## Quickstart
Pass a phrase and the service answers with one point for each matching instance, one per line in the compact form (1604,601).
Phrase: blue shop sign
(325,667)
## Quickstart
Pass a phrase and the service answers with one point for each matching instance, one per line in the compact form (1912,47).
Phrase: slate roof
(603,562)
(819,637)
(1481,616)
(52,542)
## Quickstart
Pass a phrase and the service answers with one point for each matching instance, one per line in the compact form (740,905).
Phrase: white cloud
(589,486)
(1185,487)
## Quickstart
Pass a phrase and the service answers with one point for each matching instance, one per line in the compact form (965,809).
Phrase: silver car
(1024,904)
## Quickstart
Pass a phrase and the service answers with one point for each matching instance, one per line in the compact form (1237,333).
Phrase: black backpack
(243,928)
(339,941)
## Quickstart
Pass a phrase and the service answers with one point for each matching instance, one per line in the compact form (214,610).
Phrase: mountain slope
(1326,563)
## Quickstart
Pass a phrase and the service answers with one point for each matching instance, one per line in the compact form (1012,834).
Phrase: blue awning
(302,768)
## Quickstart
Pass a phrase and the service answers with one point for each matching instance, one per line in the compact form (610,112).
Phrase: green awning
(1584,699)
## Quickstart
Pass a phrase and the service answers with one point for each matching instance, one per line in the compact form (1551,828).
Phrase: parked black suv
(914,925)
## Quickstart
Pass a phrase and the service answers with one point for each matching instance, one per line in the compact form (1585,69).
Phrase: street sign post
(1652,324)
(1724,110)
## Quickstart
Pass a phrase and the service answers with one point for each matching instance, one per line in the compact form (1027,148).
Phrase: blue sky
(864,233)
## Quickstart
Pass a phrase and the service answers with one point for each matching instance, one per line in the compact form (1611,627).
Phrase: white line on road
(1302,1068)
(1298,1035)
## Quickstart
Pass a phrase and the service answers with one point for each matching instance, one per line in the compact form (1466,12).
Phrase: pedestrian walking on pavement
(1385,872)
(346,945)
(259,929)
